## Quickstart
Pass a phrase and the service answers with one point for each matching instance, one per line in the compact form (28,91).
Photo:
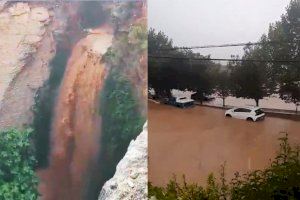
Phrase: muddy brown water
(76,125)
(196,141)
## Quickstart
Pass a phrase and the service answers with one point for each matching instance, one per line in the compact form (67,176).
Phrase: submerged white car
(181,102)
(247,113)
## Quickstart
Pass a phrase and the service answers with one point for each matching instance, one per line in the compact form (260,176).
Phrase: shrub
(121,122)
(17,177)
(175,190)
(281,180)
(121,119)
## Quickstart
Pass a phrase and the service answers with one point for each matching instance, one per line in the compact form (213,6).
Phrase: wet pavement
(196,141)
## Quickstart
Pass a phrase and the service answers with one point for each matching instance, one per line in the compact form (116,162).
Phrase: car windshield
(242,110)
(259,112)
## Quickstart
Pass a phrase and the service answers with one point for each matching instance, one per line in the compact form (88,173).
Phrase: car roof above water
(248,107)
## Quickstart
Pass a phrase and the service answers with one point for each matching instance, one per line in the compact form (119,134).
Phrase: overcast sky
(206,22)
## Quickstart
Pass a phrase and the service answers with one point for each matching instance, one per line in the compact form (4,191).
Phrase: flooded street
(272,102)
(198,140)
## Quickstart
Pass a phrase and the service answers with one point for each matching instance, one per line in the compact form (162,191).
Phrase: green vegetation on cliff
(120,106)
(128,47)
(121,119)
(17,162)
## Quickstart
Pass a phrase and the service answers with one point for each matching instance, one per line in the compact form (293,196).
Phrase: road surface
(196,141)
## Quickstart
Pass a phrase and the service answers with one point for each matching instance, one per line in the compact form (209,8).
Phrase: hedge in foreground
(281,180)
(17,177)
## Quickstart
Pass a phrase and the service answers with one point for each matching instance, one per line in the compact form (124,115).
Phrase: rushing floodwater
(91,15)
(75,132)
(72,144)
(197,141)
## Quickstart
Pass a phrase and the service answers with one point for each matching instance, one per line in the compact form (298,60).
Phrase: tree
(158,41)
(257,79)
(198,77)
(290,91)
(17,162)
(179,70)
(252,79)
(161,75)
(287,31)
(223,84)
(249,82)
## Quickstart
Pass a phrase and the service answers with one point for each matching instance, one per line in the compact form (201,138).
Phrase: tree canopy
(171,73)
(281,43)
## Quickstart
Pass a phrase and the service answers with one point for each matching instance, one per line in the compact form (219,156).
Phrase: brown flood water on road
(196,141)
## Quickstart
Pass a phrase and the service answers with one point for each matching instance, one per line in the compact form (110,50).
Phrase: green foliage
(212,189)
(253,80)
(223,85)
(17,177)
(138,36)
(119,111)
(120,106)
(247,79)
(175,190)
(158,41)
(121,121)
(128,47)
(166,74)
(281,180)
(281,43)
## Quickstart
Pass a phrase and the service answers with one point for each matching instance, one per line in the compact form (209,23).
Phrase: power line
(222,45)
(224,59)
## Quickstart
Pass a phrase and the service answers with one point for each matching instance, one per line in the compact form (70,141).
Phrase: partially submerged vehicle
(181,102)
(246,113)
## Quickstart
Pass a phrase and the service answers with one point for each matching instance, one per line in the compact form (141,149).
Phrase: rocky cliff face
(26,47)
(130,179)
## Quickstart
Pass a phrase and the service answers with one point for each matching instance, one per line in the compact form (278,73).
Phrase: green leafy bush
(17,177)
(281,180)
(121,121)
(128,47)
(185,191)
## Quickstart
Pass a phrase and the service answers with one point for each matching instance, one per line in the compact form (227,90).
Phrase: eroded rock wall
(26,48)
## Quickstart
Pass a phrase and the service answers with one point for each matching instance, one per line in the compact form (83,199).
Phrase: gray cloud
(199,22)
